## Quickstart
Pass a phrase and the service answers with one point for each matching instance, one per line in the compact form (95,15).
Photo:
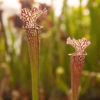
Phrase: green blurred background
(74,21)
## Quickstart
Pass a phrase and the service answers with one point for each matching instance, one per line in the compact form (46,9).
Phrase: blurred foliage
(54,60)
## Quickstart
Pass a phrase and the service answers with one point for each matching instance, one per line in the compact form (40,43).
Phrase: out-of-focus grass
(75,22)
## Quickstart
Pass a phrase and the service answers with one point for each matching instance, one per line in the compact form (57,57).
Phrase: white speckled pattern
(29,17)
(79,45)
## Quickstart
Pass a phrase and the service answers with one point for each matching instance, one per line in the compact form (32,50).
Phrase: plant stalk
(33,46)
(77,62)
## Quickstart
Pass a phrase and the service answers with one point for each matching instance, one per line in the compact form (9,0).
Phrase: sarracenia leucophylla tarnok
(29,18)
(77,61)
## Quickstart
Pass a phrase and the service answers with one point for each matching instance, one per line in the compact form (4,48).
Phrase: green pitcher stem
(34,60)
